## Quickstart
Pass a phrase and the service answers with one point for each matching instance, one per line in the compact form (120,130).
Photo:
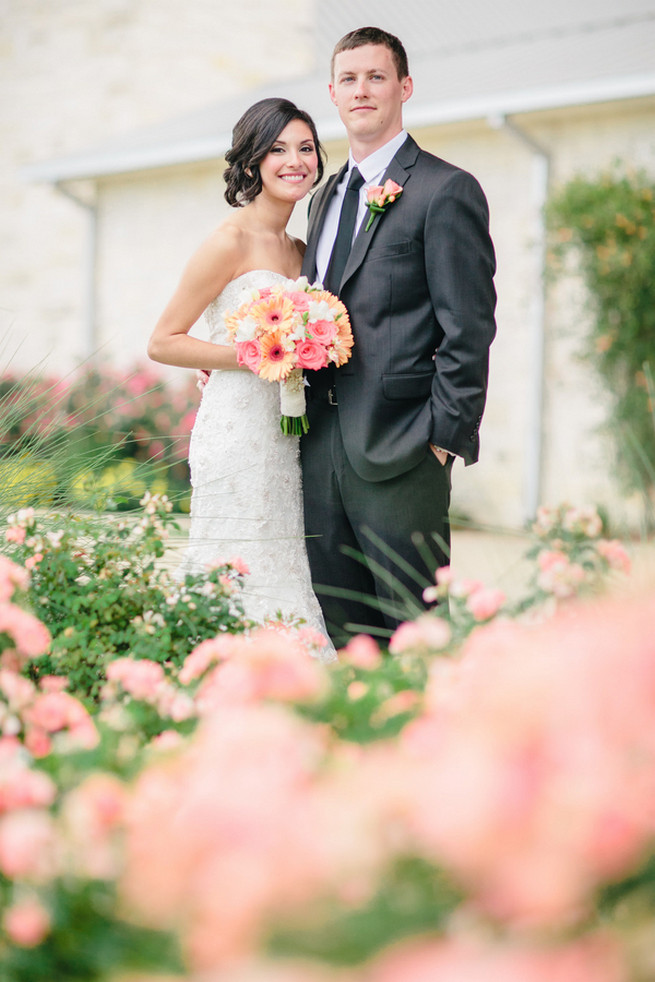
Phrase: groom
(417,279)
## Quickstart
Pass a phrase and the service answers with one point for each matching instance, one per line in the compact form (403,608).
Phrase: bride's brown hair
(252,138)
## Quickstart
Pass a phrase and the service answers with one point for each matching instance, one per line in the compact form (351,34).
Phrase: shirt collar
(376,163)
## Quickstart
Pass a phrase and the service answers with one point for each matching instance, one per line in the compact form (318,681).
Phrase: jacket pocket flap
(407,386)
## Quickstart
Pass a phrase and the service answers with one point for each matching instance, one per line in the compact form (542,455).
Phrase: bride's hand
(202,377)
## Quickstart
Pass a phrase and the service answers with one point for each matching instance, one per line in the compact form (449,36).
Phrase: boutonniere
(379,199)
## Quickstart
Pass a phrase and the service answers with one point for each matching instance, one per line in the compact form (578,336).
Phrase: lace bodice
(247,494)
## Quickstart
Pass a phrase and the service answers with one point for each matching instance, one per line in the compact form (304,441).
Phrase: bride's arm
(207,273)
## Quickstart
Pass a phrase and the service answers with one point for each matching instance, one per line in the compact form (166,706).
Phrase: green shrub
(609,224)
(98,587)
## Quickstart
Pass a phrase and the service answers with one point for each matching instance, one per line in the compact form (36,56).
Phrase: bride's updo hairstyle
(252,138)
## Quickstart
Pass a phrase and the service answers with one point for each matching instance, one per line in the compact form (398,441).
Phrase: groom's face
(369,96)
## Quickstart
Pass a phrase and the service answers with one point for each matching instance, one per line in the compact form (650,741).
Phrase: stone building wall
(76,74)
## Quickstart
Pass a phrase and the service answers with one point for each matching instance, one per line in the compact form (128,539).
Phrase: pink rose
(311,355)
(27,844)
(300,299)
(37,741)
(15,534)
(26,923)
(249,354)
(239,565)
(485,603)
(18,691)
(138,676)
(323,331)
(363,652)
(206,654)
(426,632)
(614,552)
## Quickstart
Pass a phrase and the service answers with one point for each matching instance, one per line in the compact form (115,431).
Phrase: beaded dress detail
(245,475)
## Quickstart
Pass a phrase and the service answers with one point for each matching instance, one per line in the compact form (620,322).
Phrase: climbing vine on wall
(607,225)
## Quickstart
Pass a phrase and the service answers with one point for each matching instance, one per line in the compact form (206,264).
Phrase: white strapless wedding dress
(245,475)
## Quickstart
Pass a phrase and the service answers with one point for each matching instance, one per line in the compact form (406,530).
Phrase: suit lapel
(399,171)
(316,218)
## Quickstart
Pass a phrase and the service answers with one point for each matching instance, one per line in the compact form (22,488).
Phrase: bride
(245,473)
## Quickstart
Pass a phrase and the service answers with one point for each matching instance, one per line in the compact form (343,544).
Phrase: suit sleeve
(460,265)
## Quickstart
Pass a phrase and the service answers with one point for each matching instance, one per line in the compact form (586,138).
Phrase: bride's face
(288,170)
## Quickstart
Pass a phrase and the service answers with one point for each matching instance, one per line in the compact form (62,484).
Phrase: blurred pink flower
(26,923)
(558,575)
(15,534)
(583,520)
(38,741)
(20,785)
(425,634)
(357,690)
(444,576)
(29,635)
(310,638)
(207,653)
(208,831)
(53,683)
(91,815)
(167,740)
(27,845)
(540,742)
(12,577)
(615,553)
(362,652)
(17,690)
(268,664)
(240,565)
(593,960)
(485,603)
(140,677)
(57,710)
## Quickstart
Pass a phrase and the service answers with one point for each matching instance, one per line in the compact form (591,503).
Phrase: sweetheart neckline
(249,272)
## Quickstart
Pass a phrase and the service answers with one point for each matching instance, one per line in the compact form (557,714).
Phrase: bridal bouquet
(282,330)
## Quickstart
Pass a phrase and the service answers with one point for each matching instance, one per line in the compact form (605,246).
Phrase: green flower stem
(374,210)
(294,425)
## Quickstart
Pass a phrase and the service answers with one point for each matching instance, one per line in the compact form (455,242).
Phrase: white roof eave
(107,163)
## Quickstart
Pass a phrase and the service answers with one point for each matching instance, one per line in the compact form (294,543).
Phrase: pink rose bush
(473,804)
(131,428)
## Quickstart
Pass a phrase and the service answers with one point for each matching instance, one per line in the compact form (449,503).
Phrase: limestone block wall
(77,74)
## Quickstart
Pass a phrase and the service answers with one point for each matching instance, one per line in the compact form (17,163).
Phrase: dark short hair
(252,138)
(374,35)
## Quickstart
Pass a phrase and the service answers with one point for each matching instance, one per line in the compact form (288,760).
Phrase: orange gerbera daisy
(277,361)
(275,313)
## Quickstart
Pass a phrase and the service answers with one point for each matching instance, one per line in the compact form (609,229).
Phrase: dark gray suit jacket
(419,290)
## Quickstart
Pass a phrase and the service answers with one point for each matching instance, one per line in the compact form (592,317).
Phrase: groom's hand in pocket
(441,454)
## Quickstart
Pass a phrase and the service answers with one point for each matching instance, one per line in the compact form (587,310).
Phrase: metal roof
(484,60)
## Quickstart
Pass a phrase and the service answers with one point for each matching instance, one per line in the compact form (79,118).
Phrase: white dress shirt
(372,169)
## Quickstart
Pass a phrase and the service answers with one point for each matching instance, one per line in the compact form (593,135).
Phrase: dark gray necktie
(343,241)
